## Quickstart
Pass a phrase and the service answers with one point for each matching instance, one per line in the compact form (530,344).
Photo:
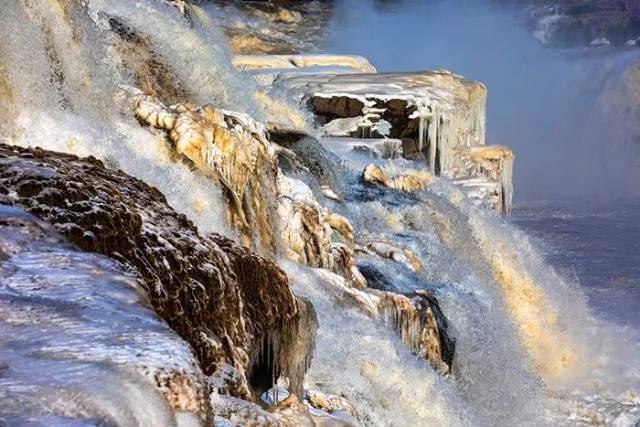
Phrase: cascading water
(79,114)
(528,351)
(539,348)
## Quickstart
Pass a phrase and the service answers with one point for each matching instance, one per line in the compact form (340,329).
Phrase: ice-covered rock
(377,148)
(305,224)
(418,320)
(407,181)
(487,167)
(235,151)
(228,303)
(449,109)
(80,343)
(405,256)
(279,62)
(345,265)
(438,116)
(415,317)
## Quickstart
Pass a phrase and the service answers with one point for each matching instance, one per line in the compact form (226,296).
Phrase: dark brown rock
(220,297)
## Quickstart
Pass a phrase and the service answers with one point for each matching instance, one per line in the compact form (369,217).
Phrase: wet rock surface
(79,343)
(220,297)
(435,117)
(231,149)
(419,322)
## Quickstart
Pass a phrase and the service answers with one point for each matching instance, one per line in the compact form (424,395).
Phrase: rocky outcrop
(434,116)
(307,231)
(408,181)
(234,151)
(421,325)
(227,302)
(79,342)
(419,322)
(309,156)
(273,212)
(485,174)
(439,110)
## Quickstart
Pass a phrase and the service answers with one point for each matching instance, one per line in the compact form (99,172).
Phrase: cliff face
(224,300)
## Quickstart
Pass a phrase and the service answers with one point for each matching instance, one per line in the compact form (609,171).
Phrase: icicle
(421,133)
(506,182)
(433,146)
(444,146)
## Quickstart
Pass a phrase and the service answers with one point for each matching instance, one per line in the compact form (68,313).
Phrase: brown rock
(220,297)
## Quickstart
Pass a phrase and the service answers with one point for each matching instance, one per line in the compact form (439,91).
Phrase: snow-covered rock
(80,343)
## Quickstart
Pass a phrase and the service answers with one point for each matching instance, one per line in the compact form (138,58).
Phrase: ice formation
(279,62)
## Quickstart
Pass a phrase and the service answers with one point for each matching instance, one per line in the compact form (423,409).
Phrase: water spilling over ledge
(323,242)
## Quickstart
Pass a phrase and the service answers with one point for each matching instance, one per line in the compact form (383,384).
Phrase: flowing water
(572,288)
(530,348)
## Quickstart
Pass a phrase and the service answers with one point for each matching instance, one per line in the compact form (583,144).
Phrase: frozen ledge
(256,62)
(433,112)
(435,116)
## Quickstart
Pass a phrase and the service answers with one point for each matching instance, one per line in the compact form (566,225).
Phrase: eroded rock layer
(223,299)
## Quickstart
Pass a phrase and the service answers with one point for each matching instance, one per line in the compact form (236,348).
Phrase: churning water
(570,292)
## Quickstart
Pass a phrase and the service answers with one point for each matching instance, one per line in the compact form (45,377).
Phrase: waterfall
(82,112)
(509,311)
(527,346)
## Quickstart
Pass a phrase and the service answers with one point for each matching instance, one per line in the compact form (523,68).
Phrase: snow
(252,62)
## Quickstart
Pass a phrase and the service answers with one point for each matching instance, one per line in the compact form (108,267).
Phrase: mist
(548,105)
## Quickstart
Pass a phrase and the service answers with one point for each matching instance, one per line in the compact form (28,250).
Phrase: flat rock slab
(253,62)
